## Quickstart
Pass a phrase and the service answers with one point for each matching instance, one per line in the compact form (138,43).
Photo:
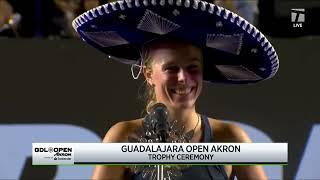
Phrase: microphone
(158,120)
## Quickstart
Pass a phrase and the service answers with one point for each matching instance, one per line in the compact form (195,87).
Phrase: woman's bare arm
(253,172)
(117,133)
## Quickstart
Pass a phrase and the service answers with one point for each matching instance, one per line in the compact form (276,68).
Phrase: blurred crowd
(52,18)
(41,18)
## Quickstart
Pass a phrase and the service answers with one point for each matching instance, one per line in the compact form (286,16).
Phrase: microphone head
(158,118)
(159,111)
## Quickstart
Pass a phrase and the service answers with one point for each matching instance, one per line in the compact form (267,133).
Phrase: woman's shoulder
(120,131)
(227,131)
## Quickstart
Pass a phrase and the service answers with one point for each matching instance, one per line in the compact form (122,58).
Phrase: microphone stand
(160,173)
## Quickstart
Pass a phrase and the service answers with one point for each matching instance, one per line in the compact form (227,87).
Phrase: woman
(174,74)
(176,57)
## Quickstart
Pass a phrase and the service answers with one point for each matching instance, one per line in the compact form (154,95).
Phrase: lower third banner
(159,153)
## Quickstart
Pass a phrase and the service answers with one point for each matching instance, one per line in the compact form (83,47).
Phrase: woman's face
(176,74)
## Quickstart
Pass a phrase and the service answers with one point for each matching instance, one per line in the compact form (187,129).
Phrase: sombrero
(234,50)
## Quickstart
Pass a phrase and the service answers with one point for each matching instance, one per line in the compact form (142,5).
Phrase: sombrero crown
(234,50)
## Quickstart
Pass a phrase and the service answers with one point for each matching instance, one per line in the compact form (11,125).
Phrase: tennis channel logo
(297,17)
(52,154)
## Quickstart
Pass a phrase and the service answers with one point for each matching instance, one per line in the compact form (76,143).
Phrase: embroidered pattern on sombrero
(236,73)
(152,22)
(106,39)
(227,43)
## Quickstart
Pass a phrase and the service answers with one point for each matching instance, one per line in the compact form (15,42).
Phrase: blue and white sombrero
(234,50)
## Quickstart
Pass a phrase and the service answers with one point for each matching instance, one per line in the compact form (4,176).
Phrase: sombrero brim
(234,50)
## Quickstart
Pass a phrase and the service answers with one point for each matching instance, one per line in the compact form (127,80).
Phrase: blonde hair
(149,95)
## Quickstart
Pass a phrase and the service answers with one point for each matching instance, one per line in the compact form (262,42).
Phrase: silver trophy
(157,127)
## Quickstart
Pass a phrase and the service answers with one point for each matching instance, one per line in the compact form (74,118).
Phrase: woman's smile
(182,91)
